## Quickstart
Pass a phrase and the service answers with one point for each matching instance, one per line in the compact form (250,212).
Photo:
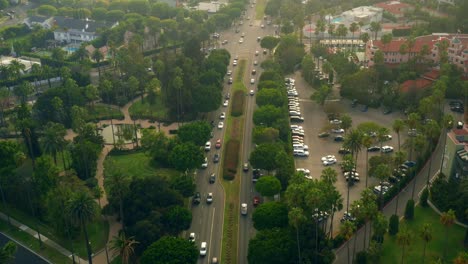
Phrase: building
(71,30)
(45,22)
(210,7)
(455,160)
(27,62)
(395,8)
(364,14)
(457,49)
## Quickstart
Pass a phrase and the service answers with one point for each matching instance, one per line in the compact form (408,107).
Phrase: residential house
(455,160)
(45,22)
(71,30)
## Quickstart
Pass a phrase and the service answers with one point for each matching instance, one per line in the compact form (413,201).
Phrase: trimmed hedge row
(231,159)
(237,108)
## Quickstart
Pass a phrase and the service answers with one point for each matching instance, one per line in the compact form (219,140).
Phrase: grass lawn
(138,164)
(149,111)
(101,111)
(260,9)
(391,252)
(27,240)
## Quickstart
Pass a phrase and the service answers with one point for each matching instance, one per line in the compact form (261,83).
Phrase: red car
(218,143)
(256,201)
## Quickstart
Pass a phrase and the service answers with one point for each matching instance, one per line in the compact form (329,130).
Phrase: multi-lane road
(207,222)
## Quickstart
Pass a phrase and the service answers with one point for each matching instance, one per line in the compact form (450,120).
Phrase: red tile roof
(393,7)
(432,75)
(417,84)
(419,42)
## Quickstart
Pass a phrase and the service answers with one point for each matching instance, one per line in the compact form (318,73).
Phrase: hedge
(237,108)
(231,159)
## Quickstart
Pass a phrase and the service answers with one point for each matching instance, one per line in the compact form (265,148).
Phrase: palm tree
(353,28)
(117,184)
(97,56)
(365,38)
(331,32)
(382,172)
(432,131)
(386,39)
(447,219)
(124,246)
(382,133)
(7,252)
(353,142)
(296,217)
(397,126)
(366,142)
(410,41)
(426,235)
(375,27)
(53,140)
(82,209)
(347,230)
(403,49)
(348,165)
(412,122)
(342,31)
(404,240)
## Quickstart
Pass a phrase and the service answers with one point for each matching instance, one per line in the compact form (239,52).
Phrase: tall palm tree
(53,140)
(398,125)
(366,142)
(365,38)
(82,209)
(404,240)
(426,235)
(331,32)
(432,131)
(412,122)
(375,27)
(7,252)
(386,39)
(347,230)
(348,165)
(353,28)
(124,246)
(296,217)
(353,142)
(447,219)
(117,185)
(382,172)
(97,56)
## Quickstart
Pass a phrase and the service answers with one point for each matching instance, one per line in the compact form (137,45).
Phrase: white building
(45,22)
(72,30)
(364,14)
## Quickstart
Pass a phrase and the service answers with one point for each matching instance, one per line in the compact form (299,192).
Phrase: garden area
(102,112)
(145,110)
(391,251)
(138,164)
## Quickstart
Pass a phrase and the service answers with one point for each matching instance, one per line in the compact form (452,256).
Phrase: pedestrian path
(44,239)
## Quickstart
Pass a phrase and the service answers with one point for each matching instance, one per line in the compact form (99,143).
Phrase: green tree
(404,240)
(353,142)
(7,252)
(53,139)
(262,135)
(264,156)
(267,115)
(176,219)
(270,215)
(426,235)
(365,38)
(168,249)
(271,246)
(23,91)
(296,218)
(268,186)
(320,95)
(447,219)
(124,246)
(347,230)
(409,210)
(117,186)
(47,10)
(186,156)
(353,28)
(268,96)
(397,127)
(382,172)
(97,57)
(393,225)
(379,225)
(375,27)
(82,209)
(197,132)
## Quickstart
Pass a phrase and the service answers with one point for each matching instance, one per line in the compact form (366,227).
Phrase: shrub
(238,103)
(231,159)
(393,225)
(409,210)
(423,197)
(361,257)
(338,241)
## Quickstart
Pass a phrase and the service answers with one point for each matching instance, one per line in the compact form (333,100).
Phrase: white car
(296,127)
(226,103)
(328,157)
(234,63)
(241,41)
(205,163)
(262,26)
(220,125)
(338,131)
(256,53)
(255,63)
(244,209)
(252,81)
(335,122)
(305,171)
(222,115)
(388,137)
(300,146)
(209,198)
(229,73)
(203,249)
(208,146)
(329,162)
(387,149)
(191,237)
(301,153)
(252,92)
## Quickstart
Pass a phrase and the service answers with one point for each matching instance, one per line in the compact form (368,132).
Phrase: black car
(347,217)
(216,158)
(296,119)
(458,109)
(212,178)
(387,111)
(256,174)
(339,139)
(344,151)
(373,149)
(254,72)
(354,103)
(196,198)
(455,103)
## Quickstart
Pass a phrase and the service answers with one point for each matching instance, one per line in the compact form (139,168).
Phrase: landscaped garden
(101,112)
(145,110)
(391,251)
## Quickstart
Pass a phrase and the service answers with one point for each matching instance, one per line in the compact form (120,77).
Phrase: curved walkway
(115,226)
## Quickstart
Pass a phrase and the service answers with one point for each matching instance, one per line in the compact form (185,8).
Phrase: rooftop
(415,85)
(78,24)
(393,7)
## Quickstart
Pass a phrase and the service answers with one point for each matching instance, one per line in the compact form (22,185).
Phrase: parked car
(323,135)
(256,174)
(337,130)
(296,119)
(387,149)
(344,151)
(373,149)
(347,217)
(196,198)
(338,139)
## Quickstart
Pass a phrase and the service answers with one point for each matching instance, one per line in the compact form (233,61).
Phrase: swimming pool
(337,20)
(70,49)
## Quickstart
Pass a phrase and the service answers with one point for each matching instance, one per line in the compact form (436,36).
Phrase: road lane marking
(211,232)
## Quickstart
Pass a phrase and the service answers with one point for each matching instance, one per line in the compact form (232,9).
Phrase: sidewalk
(44,239)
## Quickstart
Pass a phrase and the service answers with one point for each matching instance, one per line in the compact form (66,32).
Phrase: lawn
(391,252)
(138,164)
(260,9)
(145,110)
(101,112)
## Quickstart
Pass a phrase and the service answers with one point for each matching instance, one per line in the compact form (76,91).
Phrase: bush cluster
(231,159)
(237,108)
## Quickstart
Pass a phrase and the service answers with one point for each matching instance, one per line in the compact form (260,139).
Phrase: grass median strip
(234,135)
(260,9)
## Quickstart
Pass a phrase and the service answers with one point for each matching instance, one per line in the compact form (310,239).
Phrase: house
(395,8)
(26,62)
(45,22)
(76,30)
(455,160)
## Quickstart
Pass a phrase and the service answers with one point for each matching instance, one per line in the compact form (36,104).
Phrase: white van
(203,249)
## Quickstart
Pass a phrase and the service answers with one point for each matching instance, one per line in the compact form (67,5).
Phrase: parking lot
(315,120)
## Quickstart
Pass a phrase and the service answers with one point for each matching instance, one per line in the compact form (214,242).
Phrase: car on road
(344,151)
(257,52)
(196,198)
(259,39)
(300,153)
(203,249)
(216,158)
(373,149)
(205,163)
(387,149)
(229,73)
(337,130)
(347,217)
(241,40)
(256,174)
(256,200)
(338,139)
(254,71)
(218,144)
(245,167)
(212,178)
(234,63)
(230,80)
(335,122)
(255,63)
(214,260)
(296,119)
(323,135)
(220,125)
(226,103)
(244,209)
(222,115)
(227,96)
(208,146)
(191,237)
(252,92)
(209,198)
(365,108)
(252,81)
(264,51)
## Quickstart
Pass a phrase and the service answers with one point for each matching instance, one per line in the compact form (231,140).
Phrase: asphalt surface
(207,220)
(23,255)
